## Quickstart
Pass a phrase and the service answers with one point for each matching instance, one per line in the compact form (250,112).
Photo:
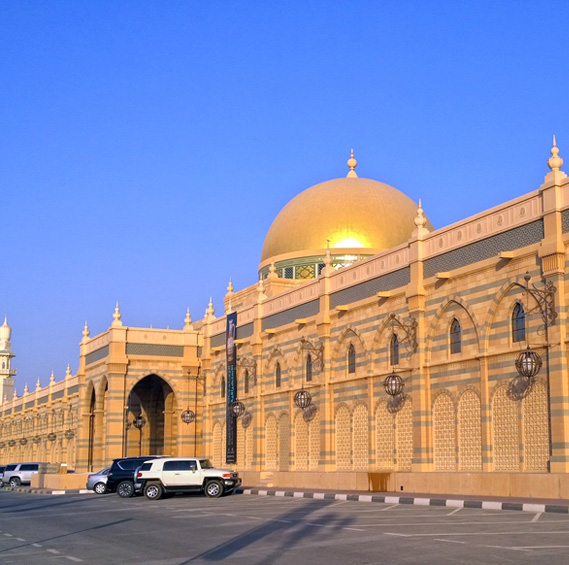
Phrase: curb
(47,491)
(418,501)
(383,499)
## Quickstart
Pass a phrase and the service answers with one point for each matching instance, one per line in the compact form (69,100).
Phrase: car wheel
(15,482)
(213,489)
(125,489)
(153,491)
(100,488)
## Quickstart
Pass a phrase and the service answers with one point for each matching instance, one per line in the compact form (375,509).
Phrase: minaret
(6,373)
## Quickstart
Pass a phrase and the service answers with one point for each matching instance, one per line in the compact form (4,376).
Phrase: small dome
(355,215)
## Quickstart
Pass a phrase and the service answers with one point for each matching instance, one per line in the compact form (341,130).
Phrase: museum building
(373,353)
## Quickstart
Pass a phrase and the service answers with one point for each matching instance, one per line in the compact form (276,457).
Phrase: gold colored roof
(352,213)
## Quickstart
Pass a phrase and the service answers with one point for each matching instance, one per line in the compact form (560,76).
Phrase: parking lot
(265,529)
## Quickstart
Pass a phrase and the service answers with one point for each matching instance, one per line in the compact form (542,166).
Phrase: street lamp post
(139,422)
(188,416)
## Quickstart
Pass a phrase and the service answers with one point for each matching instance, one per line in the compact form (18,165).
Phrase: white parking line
(449,540)
(454,511)
(388,508)
(518,533)
(536,517)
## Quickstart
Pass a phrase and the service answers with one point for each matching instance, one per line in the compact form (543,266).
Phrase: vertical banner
(231,361)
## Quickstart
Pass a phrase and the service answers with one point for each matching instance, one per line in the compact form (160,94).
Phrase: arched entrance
(150,427)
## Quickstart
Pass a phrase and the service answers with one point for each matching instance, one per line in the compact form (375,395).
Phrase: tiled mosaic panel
(284,443)
(271,444)
(404,436)
(369,288)
(469,432)
(444,431)
(343,440)
(361,438)
(536,429)
(301,443)
(485,248)
(505,430)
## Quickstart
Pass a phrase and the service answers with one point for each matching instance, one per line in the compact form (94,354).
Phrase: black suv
(121,476)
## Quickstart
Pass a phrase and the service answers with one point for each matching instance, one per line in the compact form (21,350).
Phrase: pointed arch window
(394,350)
(455,337)
(222,386)
(246,382)
(308,368)
(518,323)
(278,375)
(351,359)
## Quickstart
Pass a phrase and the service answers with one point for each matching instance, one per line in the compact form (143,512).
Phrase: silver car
(98,481)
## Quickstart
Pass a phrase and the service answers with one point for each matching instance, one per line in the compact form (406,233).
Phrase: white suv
(17,474)
(185,474)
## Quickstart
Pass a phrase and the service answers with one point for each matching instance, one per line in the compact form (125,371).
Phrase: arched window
(222,386)
(308,368)
(394,350)
(351,359)
(246,383)
(518,323)
(455,337)
(278,375)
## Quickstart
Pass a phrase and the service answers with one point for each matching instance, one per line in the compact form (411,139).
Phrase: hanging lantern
(51,436)
(393,384)
(12,443)
(238,408)
(23,441)
(36,439)
(528,363)
(302,399)
(188,416)
(69,434)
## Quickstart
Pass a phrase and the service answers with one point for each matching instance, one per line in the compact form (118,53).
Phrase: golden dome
(355,215)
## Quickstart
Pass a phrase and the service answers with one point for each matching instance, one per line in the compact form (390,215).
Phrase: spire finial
(209,311)
(420,219)
(117,317)
(52,378)
(85,331)
(26,391)
(352,163)
(261,289)
(555,162)
(188,321)
(38,384)
(68,371)
(230,287)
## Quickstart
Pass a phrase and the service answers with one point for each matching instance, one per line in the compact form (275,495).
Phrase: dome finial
(352,163)
(555,162)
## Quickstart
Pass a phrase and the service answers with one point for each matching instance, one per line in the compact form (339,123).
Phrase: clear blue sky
(146,147)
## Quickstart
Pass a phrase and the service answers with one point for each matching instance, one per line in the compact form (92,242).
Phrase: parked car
(2,467)
(120,478)
(16,474)
(98,481)
(185,474)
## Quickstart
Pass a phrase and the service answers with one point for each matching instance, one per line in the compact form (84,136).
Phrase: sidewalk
(559,506)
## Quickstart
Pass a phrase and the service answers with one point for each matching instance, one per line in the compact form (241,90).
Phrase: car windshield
(206,464)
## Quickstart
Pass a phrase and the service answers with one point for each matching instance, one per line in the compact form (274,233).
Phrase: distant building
(358,297)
